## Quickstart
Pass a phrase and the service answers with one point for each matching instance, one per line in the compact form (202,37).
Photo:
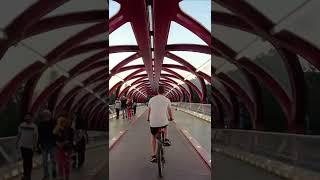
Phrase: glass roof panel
(86,75)
(71,62)
(15,60)
(303,23)
(122,36)
(75,6)
(198,10)
(195,59)
(114,7)
(234,38)
(170,61)
(217,7)
(113,81)
(10,9)
(265,55)
(46,42)
(124,74)
(275,9)
(138,61)
(178,34)
(48,77)
(116,58)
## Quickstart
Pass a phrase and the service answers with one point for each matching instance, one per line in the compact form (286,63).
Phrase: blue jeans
(46,153)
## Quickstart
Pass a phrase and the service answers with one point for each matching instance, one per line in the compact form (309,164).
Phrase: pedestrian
(27,142)
(64,138)
(117,106)
(81,139)
(47,144)
(134,106)
(124,106)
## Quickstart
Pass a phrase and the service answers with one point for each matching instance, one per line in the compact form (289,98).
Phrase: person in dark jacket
(47,143)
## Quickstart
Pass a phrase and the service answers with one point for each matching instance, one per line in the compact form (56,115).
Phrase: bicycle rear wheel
(160,158)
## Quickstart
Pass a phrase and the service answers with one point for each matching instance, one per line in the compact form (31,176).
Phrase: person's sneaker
(153,159)
(167,142)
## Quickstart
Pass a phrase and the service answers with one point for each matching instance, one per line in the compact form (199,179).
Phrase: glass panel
(96,84)
(48,77)
(234,38)
(70,63)
(306,66)
(11,9)
(80,94)
(198,10)
(265,56)
(303,23)
(195,59)
(15,60)
(122,36)
(124,74)
(97,38)
(114,7)
(116,58)
(217,7)
(45,42)
(275,9)
(114,80)
(178,34)
(138,61)
(75,6)
(206,68)
(170,61)
(86,75)
(69,86)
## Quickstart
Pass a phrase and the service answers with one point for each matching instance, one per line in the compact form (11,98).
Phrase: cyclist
(159,108)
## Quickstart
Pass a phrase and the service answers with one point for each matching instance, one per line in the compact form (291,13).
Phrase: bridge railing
(298,150)
(195,107)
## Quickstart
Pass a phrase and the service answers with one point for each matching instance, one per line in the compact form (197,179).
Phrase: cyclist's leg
(166,135)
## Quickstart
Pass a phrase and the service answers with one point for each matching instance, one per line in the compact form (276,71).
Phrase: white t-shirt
(159,111)
(28,135)
(117,104)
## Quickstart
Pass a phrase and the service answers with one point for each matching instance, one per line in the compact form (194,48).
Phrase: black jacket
(46,137)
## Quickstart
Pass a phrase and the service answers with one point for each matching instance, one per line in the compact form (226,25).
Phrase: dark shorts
(154,130)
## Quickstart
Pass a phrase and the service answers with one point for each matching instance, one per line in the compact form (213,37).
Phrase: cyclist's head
(161,90)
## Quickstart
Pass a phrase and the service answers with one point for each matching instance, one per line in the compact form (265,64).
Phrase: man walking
(27,142)
(117,106)
(47,143)
(124,106)
(159,108)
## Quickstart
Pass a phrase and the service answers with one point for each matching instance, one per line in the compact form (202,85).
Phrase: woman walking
(64,137)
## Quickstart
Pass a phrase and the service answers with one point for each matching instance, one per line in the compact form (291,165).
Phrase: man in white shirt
(27,141)
(159,108)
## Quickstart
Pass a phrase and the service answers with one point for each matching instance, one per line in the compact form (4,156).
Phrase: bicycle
(160,152)
(160,138)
